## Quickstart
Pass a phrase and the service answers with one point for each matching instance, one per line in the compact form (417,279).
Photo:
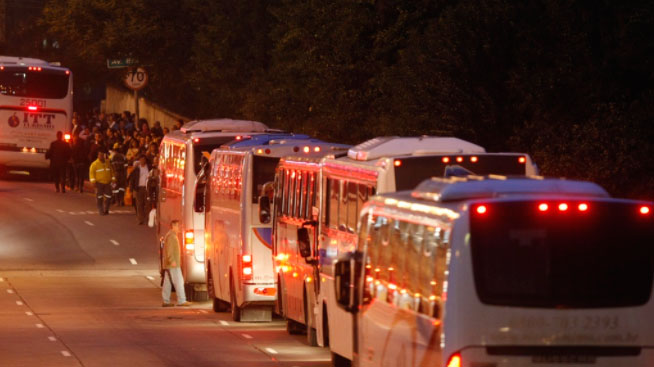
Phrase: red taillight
(446,159)
(239,137)
(196,140)
(189,237)
(543,207)
(459,159)
(563,207)
(474,159)
(247,267)
(32,108)
(67,72)
(67,137)
(397,163)
(522,160)
(583,207)
(316,149)
(454,361)
(644,210)
(267,151)
(481,209)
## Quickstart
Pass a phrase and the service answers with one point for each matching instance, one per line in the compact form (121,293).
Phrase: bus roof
(477,187)
(304,147)
(223,125)
(266,139)
(392,146)
(21,61)
(182,137)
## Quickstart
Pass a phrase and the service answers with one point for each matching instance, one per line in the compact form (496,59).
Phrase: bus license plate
(564,359)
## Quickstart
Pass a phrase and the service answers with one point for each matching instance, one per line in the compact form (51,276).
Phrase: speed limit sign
(136,79)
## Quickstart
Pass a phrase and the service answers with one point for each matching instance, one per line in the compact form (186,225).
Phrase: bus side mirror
(264,209)
(304,242)
(345,270)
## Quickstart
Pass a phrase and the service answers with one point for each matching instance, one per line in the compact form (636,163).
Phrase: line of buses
(409,251)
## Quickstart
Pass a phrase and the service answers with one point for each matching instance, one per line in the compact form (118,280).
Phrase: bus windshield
(263,171)
(204,147)
(34,84)
(411,171)
(602,256)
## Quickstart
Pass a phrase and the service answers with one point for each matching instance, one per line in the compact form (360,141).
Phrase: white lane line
(91,212)
(224,323)
(203,311)
(28,199)
(19,303)
(2,279)
(52,339)
(40,326)
(89,223)
(149,277)
(72,213)
(271,351)
(65,353)
(133,261)
(247,336)
(10,291)
(114,242)
(29,313)
(60,211)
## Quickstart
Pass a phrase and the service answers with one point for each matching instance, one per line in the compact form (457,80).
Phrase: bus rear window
(600,257)
(263,171)
(411,171)
(35,84)
(205,147)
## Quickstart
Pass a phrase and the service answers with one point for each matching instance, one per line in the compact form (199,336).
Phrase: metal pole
(136,106)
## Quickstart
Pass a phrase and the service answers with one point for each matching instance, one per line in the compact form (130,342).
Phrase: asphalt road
(80,289)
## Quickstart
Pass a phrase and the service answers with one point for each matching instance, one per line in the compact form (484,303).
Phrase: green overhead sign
(120,63)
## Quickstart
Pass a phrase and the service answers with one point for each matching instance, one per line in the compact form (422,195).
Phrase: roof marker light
(32,108)
(239,137)
(306,149)
(583,207)
(481,209)
(563,207)
(522,160)
(459,159)
(67,72)
(267,150)
(474,159)
(397,163)
(644,210)
(316,149)
(446,159)
(543,207)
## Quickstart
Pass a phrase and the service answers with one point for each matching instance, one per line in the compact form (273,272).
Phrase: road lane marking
(29,313)
(28,199)
(224,323)
(271,351)
(133,261)
(114,242)
(60,211)
(203,311)
(2,279)
(91,212)
(65,353)
(19,303)
(149,277)
(40,326)
(72,213)
(10,291)
(52,339)
(89,223)
(247,336)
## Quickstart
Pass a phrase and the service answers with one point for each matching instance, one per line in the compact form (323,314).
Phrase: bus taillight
(67,137)
(247,267)
(454,361)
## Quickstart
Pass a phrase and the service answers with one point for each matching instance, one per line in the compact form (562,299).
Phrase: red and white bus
(36,101)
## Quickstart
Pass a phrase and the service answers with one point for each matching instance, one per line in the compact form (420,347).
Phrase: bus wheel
(339,361)
(312,334)
(236,311)
(294,328)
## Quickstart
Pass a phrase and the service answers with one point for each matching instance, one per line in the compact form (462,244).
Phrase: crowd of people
(116,153)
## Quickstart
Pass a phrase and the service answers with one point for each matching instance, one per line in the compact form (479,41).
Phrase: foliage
(569,82)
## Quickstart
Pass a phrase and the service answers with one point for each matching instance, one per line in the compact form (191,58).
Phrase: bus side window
(342,210)
(301,193)
(287,192)
(352,209)
(385,253)
(334,194)
(277,199)
(311,195)
(398,251)
(414,254)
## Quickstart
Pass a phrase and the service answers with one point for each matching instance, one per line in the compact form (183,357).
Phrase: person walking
(59,154)
(101,174)
(138,183)
(119,164)
(80,155)
(170,265)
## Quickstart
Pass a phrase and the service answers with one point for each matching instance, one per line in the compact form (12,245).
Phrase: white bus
(501,272)
(180,157)
(238,229)
(36,101)
(379,165)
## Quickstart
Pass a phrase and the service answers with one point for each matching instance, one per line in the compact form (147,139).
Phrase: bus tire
(236,311)
(312,334)
(340,361)
(325,327)
(294,328)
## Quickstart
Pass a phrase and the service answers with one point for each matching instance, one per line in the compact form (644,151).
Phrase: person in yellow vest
(171,266)
(101,174)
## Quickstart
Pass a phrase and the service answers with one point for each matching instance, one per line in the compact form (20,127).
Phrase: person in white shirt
(138,184)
